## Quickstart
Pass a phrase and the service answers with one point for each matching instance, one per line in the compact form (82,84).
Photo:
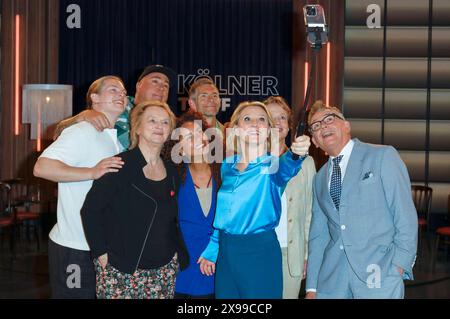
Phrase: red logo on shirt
(172,193)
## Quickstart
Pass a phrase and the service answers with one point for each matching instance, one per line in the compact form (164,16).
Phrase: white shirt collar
(346,152)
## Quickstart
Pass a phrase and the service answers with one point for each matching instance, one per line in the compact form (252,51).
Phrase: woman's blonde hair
(278,100)
(231,139)
(136,118)
(97,86)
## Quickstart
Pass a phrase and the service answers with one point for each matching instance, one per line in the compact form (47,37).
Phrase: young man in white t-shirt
(80,155)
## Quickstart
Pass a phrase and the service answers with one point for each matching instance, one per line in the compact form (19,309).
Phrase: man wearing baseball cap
(153,84)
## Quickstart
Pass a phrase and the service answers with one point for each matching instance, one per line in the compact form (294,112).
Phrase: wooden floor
(26,275)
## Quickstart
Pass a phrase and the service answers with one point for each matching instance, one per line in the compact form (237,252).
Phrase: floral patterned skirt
(143,284)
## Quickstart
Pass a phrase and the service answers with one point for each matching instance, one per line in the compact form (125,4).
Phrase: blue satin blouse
(249,202)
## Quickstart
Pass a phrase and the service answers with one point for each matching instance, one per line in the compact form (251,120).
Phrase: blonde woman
(131,217)
(244,247)
(296,203)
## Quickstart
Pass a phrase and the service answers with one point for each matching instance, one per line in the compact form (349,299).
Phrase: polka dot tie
(335,185)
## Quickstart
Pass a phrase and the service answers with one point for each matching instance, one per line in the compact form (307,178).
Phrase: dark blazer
(112,214)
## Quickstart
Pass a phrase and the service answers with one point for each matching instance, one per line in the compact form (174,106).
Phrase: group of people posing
(146,209)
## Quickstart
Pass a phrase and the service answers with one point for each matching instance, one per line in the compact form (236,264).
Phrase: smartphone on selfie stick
(317,36)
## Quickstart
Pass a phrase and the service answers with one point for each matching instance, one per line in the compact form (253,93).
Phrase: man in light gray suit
(363,236)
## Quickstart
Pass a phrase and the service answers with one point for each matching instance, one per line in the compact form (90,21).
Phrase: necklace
(207,186)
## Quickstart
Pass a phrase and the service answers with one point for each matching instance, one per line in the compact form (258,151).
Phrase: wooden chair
(442,237)
(7,218)
(422,196)
(26,205)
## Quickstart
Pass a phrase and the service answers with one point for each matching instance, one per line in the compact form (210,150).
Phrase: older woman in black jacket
(131,217)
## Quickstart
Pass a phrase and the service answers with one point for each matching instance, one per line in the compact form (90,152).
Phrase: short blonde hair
(235,119)
(97,86)
(319,106)
(136,118)
(237,112)
(198,83)
(284,105)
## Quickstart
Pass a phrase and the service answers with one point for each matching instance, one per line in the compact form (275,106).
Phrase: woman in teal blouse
(244,251)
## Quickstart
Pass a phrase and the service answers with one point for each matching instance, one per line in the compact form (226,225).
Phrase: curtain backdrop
(244,45)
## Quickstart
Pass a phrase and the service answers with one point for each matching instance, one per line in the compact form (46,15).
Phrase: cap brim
(171,75)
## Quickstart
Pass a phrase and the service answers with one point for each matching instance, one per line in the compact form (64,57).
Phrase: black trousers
(71,271)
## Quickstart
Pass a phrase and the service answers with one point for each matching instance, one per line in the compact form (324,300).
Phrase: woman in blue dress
(243,251)
(196,203)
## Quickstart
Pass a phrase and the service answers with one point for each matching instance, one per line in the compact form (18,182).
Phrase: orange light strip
(16,76)
(39,130)
(306,78)
(328,73)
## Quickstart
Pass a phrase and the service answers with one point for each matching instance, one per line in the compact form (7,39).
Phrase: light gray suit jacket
(375,225)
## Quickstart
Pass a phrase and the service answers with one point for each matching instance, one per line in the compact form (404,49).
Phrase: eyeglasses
(327,120)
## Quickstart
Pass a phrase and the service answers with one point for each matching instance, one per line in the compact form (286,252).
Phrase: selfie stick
(316,46)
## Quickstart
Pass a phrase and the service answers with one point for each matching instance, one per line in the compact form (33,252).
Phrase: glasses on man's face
(327,120)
